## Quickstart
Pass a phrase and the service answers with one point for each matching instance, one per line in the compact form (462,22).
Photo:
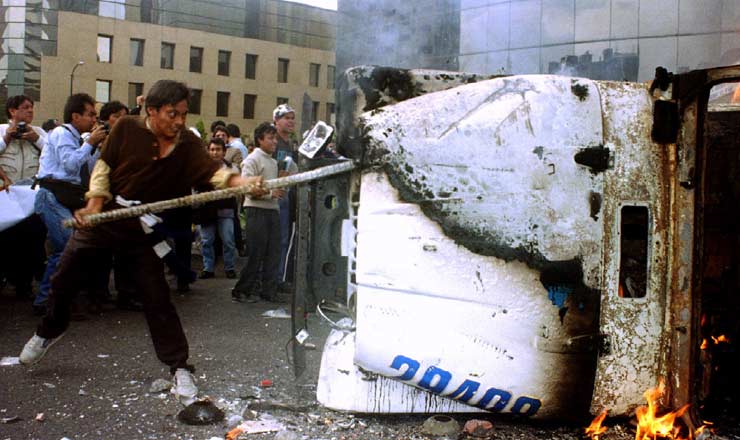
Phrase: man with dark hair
(217,218)
(217,123)
(50,124)
(20,142)
(20,148)
(263,223)
(111,111)
(235,140)
(144,160)
(61,189)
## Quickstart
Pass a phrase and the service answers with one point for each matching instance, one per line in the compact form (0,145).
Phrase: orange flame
(704,344)
(721,338)
(595,429)
(649,425)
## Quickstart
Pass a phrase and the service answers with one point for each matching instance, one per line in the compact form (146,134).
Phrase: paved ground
(95,384)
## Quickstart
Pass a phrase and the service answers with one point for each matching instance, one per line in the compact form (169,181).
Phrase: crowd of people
(107,157)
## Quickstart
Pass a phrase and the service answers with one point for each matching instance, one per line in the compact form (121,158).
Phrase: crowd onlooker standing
(263,224)
(20,148)
(284,119)
(217,218)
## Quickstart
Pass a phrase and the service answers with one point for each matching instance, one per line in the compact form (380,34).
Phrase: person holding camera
(20,147)
(20,142)
(61,191)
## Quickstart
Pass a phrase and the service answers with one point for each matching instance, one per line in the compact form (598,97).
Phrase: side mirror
(316,139)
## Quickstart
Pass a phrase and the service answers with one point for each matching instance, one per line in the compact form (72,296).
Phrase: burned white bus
(538,245)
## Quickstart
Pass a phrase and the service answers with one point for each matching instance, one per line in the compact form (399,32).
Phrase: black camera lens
(19,130)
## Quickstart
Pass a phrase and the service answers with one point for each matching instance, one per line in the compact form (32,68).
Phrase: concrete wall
(77,40)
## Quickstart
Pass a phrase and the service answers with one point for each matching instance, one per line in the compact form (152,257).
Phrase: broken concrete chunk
(160,386)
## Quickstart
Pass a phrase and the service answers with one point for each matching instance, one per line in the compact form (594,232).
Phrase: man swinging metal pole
(146,160)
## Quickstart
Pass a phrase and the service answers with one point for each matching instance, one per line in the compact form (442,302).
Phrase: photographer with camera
(20,147)
(20,142)
(61,191)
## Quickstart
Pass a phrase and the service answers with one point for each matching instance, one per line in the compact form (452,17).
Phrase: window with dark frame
(102,90)
(105,48)
(282,73)
(250,66)
(137,52)
(331,73)
(196,59)
(195,98)
(634,245)
(134,90)
(249,104)
(313,74)
(222,103)
(224,62)
(167,60)
(281,100)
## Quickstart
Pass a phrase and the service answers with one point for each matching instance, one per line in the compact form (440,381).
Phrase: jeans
(263,252)
(52,213)
(208,237)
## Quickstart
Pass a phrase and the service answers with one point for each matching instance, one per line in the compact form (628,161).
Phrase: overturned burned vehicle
(538,245)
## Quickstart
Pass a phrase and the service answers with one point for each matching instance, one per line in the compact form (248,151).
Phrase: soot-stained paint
(596,158)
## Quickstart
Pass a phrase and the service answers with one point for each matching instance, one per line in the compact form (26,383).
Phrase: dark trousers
(263,251)
(22,252)
(127,240)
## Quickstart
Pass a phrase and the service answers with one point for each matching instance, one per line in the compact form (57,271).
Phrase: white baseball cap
(281,110)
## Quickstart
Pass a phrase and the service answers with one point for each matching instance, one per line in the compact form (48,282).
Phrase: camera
(106,126)
(19,130)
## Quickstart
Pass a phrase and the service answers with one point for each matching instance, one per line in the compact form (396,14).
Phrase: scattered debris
(265,406)
(49,385)
(440,425)
(478,428)
(200,412)
(160,386)
(6,420)
(266,383)
(234,420)
(255,427)
(103,356)
(287,435)
(277,313)
(8,360)
(40,417)
(82,392)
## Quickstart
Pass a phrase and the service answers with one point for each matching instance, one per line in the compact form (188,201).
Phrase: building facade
(239,57)
(598,39)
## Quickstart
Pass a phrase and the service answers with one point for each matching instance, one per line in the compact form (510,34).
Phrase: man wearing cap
(284,119)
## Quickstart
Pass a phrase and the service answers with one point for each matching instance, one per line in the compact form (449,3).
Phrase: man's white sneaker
(36,348)
(185,388)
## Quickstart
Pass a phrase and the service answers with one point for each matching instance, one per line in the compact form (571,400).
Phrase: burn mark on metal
(595,158)
(539,151)
(594,199)
(580,90)
(481,240)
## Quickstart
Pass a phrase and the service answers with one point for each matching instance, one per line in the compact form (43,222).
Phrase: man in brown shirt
(145,160)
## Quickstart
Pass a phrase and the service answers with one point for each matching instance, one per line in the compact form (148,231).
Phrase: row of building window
(103,93)
(167,61)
